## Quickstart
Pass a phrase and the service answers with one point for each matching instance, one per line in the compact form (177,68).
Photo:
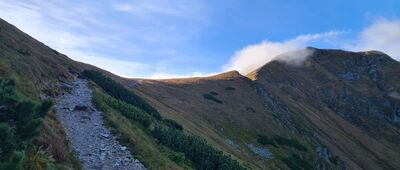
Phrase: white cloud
(152,39)
(382,35)
(89,31)
(122,68)
(254,56)
(296,57)
(151,8)
(164,75)
(58,29)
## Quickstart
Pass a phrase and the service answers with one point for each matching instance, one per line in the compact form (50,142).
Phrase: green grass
(23,124)
(125,120)
(119,92)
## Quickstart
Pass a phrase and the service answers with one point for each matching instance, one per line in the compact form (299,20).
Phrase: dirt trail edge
(92,142)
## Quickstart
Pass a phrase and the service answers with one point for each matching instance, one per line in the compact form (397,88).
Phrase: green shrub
(131,112)
(45,107)
(229,88)
(212,98)
(20,122)
(118,91)
(214,93)
(14,162)
(290,142)
(250,109)
(295,162)
(7,142)
(334,159)
(178,158)
(24,52)
(279,140)
(264,140)
(203,155)
(172,124)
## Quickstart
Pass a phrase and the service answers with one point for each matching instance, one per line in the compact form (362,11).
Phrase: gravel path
(92,142)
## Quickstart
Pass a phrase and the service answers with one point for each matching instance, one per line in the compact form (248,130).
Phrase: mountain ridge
(278,79)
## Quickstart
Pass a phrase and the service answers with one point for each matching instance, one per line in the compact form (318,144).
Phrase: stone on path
(92,142)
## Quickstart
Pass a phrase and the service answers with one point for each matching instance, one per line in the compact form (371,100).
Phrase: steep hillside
(224,109)
(32,67)
(345,101)
(350,98)
(33,64)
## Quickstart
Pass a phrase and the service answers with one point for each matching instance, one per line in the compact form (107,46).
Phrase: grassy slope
(34,66)
(182,100)
(152,155)
(205,117)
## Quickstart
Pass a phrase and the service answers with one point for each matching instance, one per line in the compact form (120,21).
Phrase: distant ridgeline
(20,123)
(165,131)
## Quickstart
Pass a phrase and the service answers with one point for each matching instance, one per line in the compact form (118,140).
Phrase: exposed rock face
(232,144)
(261,151)
(93,143)
(323,152)
(280,111)
(350,99)
(359,87)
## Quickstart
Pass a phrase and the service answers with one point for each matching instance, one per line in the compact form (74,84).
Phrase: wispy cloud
(254,56)
(382,35)
(157,38)
(164,75)
(67,28)
(94,32)
(150,8)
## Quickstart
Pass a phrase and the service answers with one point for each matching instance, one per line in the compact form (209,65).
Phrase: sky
(181,38)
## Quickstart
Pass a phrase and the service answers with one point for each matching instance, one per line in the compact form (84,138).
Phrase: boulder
(81,108)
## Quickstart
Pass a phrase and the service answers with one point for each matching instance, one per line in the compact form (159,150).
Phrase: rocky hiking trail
(89,138)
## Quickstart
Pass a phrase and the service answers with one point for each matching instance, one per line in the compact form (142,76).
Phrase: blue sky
(180,38)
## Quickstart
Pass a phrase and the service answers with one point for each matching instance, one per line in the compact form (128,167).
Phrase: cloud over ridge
(382,35)
(254,56)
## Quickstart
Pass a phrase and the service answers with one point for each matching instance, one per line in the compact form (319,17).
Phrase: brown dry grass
(53,138)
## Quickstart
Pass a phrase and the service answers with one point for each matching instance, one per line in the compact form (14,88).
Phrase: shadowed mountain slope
(343,100)
(348,97)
